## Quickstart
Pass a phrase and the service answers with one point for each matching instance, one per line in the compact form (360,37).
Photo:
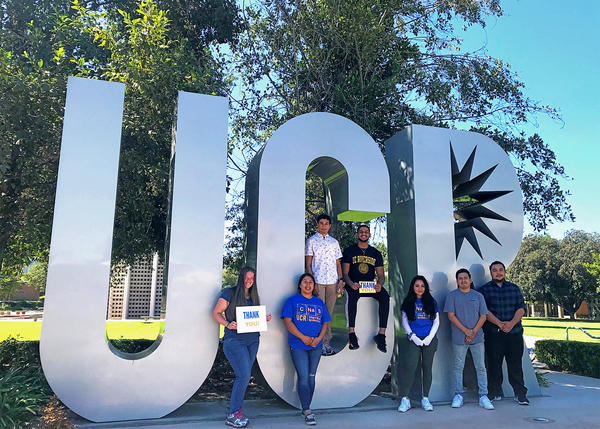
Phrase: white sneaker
(485,403)
(404,405)
(457,401)
(426,404)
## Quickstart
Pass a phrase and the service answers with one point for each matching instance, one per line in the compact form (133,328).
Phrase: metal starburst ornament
(469,200)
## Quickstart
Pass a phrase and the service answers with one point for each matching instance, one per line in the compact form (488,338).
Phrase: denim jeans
(241,356)
(306,363)
(478,353)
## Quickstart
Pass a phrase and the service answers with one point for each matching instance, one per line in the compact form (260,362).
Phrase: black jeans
(500,346)
(382,297)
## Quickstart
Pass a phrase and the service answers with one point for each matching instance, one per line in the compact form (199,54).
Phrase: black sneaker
(522,399)
(310,419)
(352,341)
(380,341)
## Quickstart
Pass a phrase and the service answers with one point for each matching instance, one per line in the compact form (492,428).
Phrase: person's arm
(411,335)
(434,328)
(315,341)
(507,327)
(308,264)
(217,314)
(346,271)
(380,272)
(494,320)
(478,325)
(340,283)
(452,317)
(287,321)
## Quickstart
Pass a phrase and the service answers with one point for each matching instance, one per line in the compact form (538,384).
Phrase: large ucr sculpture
(430,168)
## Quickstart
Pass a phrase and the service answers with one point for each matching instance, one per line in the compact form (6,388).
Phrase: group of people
(486,321)
(494,310)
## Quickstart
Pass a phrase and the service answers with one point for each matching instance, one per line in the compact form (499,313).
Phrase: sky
(554,47)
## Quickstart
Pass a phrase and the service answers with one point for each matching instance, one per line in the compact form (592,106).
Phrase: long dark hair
(314,292)
(408,305)
(239,297)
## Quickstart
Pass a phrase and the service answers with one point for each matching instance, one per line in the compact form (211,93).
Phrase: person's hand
(507,326)
(416,340)
(340,287)
(427,340)
(355,286)
(468,338)
(315,342)
(307,340)
(232,326)
(268,317)
(378,287)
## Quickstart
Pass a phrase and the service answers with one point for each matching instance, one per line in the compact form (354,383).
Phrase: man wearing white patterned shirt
(322,260)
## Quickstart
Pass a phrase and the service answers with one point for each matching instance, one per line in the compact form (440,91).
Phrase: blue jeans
(306,363)
(478,353)
(241,356)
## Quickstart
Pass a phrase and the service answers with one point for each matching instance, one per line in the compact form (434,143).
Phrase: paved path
(570,401)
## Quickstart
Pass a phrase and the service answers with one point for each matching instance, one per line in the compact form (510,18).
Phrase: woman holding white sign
(421,320)
(306,319)
(239,348)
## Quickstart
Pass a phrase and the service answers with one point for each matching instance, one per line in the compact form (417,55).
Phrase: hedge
(573,356)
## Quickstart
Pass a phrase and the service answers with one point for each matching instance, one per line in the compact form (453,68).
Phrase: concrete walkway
(570,401)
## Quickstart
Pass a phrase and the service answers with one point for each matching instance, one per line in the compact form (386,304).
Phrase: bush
(22,392)
(573,356)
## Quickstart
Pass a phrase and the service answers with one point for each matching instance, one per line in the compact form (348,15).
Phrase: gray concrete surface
(570,401)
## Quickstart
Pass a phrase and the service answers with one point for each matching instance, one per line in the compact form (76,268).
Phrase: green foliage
(42,42)
(594,269)
(555,270)
(36,276)
(384,65)
(23,388)
(9,285)
(573,356)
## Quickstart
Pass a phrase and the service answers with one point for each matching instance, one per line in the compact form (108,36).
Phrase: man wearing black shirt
(362,263)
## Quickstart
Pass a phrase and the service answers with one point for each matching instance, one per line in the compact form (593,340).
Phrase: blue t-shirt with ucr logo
(422,324)
(308,315)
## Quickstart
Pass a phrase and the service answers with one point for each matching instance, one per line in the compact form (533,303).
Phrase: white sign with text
(251,318)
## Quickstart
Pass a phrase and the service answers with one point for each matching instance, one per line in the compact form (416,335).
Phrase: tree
(594,268)
(555,270)
(44,41)
(384,65)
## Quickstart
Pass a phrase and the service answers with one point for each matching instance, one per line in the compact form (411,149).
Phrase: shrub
(22,392)
(573,356)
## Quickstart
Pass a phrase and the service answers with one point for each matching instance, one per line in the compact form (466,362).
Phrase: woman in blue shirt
(306,319)
(420,319)
(240,349)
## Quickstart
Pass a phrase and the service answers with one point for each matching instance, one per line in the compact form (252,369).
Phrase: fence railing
(582,330)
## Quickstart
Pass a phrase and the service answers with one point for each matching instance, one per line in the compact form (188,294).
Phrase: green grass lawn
(30,331)
(553,329)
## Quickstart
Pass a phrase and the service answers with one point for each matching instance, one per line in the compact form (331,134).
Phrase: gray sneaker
(327,350)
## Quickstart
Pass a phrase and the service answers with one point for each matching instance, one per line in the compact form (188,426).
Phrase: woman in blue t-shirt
(240,349)
(306,319)
(420,319)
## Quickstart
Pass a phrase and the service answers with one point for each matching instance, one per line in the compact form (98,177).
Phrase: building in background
(136,291)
